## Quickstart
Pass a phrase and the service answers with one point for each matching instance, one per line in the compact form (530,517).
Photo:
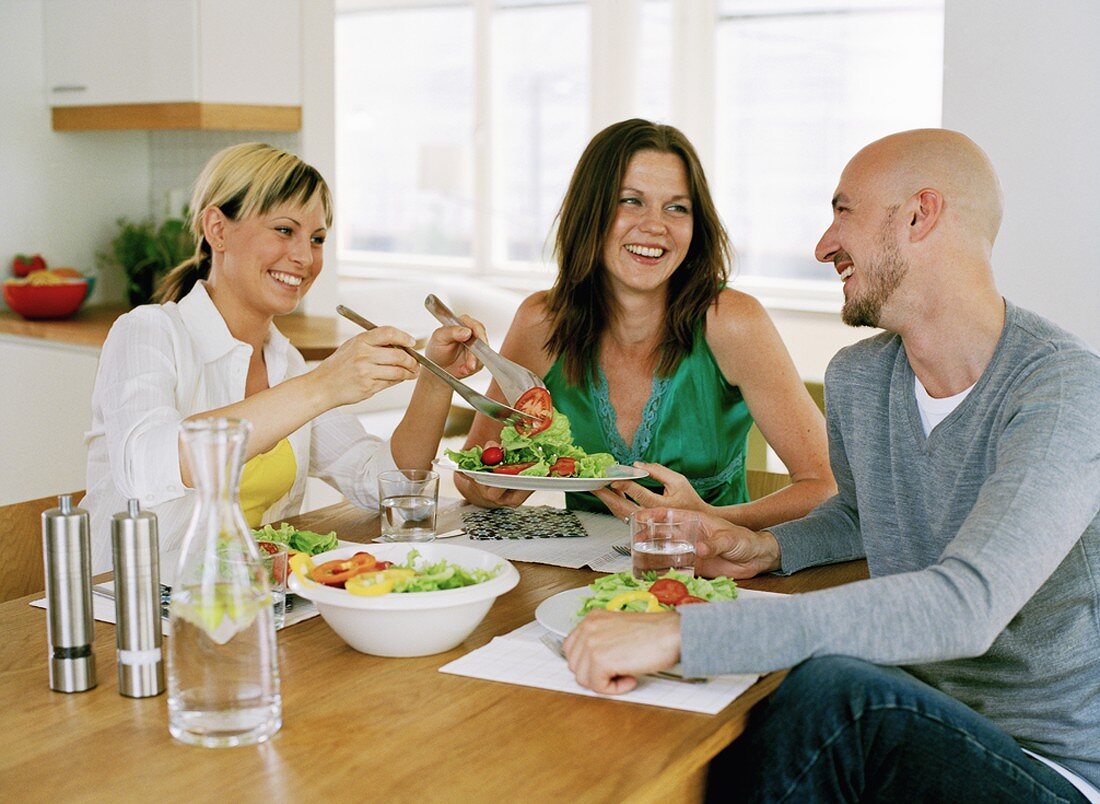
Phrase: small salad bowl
(409,623)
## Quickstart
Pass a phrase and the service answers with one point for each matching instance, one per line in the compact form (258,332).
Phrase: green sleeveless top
(694,422)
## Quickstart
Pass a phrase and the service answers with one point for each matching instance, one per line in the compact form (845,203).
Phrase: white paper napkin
(520,658)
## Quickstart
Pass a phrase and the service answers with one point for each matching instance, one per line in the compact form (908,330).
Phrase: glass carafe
(223,672)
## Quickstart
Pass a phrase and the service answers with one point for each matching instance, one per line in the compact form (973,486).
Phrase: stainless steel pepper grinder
(67,554)
(137,602)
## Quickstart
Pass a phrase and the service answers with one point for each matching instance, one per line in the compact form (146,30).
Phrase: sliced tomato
(536,402)
(512,468)
(491,456)
(684,601)
(564,467)
(669,591)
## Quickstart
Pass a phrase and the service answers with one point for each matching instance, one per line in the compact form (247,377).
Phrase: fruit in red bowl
(22,265)
(39,301)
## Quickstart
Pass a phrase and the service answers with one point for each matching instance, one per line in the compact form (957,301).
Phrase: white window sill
(804,296)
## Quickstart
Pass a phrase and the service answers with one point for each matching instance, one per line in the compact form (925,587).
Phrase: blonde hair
(242,180)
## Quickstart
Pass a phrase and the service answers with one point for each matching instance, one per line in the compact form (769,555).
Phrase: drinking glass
(408,499)
(275,557)
(663,539)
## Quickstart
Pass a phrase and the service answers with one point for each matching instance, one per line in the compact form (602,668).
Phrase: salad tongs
(478,401)
(512,378)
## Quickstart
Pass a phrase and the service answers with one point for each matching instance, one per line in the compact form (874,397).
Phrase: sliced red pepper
(336,572)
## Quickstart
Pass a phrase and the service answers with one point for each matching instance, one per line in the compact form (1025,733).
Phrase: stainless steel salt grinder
(137,602)
(67,554)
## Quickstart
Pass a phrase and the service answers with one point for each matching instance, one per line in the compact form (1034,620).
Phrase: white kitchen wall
(1023,80)
(60,192)
(176,157)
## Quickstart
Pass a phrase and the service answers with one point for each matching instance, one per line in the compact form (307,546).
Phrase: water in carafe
(223,674)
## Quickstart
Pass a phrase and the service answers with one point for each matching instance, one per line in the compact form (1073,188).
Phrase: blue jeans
(841,729)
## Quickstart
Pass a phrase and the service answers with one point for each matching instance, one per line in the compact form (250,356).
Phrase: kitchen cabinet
(155,64)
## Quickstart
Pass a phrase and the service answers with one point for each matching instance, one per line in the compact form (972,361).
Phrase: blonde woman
(210,348)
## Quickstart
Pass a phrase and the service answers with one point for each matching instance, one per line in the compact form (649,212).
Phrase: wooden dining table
(363,727)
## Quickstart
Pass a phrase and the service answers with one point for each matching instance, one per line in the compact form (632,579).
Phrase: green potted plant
(145,252)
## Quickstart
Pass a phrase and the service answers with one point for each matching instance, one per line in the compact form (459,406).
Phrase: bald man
(965,441)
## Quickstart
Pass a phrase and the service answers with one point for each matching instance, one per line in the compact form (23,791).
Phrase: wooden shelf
(150,116)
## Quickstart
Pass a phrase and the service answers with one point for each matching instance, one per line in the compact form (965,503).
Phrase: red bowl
(46,301)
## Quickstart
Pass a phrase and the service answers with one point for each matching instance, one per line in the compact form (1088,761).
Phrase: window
(801,87)
(539,121)
(459,122)
(404,124)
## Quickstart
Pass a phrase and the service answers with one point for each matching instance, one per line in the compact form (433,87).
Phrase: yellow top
(265,480)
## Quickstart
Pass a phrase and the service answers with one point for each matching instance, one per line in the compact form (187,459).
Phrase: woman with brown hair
(211,349)
(648,353)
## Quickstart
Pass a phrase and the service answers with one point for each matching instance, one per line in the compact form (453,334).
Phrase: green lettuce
(609,586)
(441,575)
(304,541)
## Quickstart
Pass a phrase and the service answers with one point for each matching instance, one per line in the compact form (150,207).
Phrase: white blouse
(163,363)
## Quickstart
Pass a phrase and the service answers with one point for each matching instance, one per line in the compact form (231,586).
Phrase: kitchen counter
(316,337)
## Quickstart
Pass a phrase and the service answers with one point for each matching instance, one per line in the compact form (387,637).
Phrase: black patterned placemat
(536,522)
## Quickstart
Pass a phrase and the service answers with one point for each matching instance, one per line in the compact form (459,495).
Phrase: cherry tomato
(684,601)
(669,591)
(536,402)
(563,467)
(491,456)
(512,468)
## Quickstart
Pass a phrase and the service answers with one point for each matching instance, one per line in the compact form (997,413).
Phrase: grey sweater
(983,542)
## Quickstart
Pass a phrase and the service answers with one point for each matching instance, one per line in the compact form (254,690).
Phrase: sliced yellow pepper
(393,573)
(369,586)
(619,602)
(301,564)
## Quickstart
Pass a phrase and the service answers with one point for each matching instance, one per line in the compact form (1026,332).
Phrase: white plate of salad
(561,612)
(539,457)
(534,483)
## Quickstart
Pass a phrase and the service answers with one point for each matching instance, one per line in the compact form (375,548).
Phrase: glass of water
(408,499)
(663,539)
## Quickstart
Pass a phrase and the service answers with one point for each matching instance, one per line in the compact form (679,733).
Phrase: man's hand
(625,497)
(733,551)
(609,649)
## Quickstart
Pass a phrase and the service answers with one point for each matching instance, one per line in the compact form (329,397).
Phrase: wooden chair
(756,453)
(761,484)
(21,569)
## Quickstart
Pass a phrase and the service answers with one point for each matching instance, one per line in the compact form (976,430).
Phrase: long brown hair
(580,303)
(242,180)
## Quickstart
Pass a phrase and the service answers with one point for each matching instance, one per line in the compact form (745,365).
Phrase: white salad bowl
(409,623)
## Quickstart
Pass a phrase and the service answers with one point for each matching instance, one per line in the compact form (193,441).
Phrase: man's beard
(883,277)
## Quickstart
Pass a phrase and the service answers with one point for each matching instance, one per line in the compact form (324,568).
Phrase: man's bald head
(903,164)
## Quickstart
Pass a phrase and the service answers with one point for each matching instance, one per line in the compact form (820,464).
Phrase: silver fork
(512,378)
(621,549)
(554,643)
(479,402)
